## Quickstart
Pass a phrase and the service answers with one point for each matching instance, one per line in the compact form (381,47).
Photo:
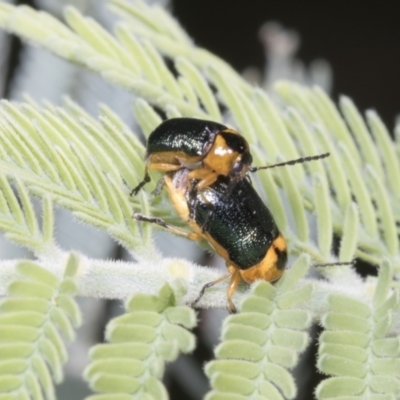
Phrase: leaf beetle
(242,230)
(207,148)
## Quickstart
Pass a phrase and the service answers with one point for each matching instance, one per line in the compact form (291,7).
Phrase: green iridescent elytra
(233,219)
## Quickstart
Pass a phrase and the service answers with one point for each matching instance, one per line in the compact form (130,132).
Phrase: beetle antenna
(352,262)
(291,162)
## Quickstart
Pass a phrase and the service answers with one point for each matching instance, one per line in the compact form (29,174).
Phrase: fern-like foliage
(261,343)
(40,306)
(89,166)
(151,332)
(76,179)
(20,223)
(355,348)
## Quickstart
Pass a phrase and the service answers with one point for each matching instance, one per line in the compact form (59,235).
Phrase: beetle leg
(205,177)
(164,167)
(208,285)
(205,226)
(192,199)
(158,167)
(231,186)
(210,213)
(145,180)
(173,229)
(159,187)
(193,190)
(233,285)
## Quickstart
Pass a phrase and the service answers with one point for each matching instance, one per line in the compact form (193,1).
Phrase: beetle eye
(241,166)
(237,168)
(247,159)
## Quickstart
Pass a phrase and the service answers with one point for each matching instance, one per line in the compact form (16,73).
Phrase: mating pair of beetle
(207,166)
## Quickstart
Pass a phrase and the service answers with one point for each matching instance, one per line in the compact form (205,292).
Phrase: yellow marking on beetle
(280,243)
(178,198)
(173,157)
(267,269)
(221,157)
(164,167)
(204,176)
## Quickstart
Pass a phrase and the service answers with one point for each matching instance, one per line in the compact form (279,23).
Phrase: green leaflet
(153,331)
(19,221)
(32,350)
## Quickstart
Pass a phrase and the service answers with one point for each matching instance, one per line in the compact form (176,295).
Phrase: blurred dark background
(361,41)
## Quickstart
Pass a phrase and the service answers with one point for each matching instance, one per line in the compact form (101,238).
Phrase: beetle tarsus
(145,180)
(157,221)
(201,293)
(159,187)
(207,286)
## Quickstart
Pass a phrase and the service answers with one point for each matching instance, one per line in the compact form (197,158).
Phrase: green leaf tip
(384,281)
(348,244)
(72,265)
(17,216)
(346,305)
(297,271)
(35,272)
(340,386)
(324,216)
(169,295)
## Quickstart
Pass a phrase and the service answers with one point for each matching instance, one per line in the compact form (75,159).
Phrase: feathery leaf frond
(37,309)
(18,219)
(354,347)
(261,343)
(94,184)
(151,332)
